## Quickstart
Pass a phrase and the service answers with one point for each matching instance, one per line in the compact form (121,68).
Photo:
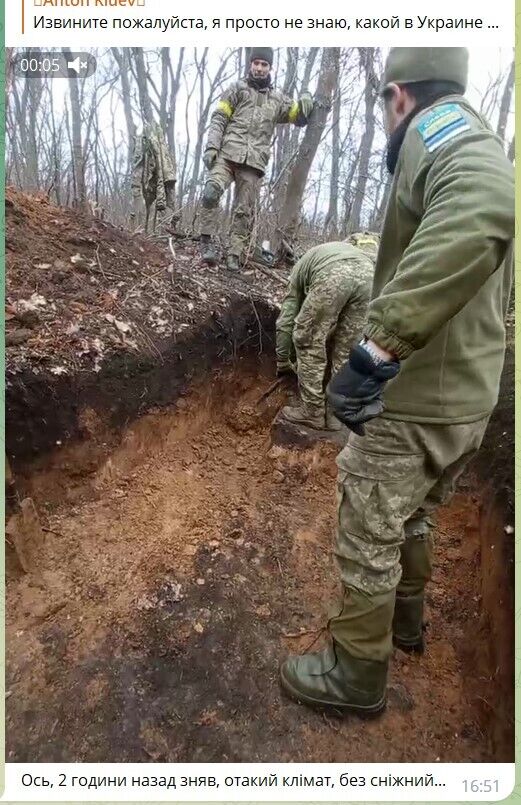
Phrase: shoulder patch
(442,124)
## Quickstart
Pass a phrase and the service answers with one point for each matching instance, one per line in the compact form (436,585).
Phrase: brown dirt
(80,289)
(182,564)
(183,557)
(96,314)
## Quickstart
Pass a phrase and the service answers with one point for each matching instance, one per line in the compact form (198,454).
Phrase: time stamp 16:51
(481,786)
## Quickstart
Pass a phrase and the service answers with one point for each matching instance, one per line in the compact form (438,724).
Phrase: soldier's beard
(394,142)
(259,82)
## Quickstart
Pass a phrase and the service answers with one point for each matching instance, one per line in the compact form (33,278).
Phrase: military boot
(304,415)
(408,626)
(208,251)
(351,674)
(334,679)
(416,560)
(332,423)
(232,263)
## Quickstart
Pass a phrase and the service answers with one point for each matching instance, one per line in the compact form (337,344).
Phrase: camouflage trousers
(326,327)
(390,482)
(220,177)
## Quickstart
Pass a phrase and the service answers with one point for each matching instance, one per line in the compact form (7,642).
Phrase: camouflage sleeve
(296,112)
(289,310)
(137,166)
(221,117)
(288,110)
(463,237)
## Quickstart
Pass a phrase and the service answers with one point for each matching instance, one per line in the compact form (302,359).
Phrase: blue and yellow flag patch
(442,124)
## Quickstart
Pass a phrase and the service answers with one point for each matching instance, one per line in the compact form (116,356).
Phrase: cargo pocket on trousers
(377,493)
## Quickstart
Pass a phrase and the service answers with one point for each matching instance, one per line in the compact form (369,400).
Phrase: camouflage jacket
(242,126)
(444,268)
(153,166)
(328,257)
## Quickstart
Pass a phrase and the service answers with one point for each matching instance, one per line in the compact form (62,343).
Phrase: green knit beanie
(407,65)
(266,54)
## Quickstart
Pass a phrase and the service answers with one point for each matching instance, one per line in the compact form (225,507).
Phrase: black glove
(286,369)
(355,392)
(209,157)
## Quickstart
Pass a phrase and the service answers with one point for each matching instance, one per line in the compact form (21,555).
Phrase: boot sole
(410,648)
(320,704)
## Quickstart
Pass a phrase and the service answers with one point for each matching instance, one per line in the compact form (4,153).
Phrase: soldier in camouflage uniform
(321,315)
(238,150)
(424,378)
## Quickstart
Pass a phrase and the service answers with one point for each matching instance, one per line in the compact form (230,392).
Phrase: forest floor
(183,553)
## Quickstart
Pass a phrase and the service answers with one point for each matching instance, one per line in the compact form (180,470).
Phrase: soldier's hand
(355,392)
(285,369)
(306,104)
(209,157)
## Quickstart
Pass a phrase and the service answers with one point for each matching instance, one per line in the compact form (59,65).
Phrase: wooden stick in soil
(269,391)
(269,274)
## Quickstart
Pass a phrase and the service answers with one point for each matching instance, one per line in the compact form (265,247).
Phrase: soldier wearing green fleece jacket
(419,388)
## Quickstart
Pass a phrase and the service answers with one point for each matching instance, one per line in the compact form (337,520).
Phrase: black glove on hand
(287,369)
(355,392)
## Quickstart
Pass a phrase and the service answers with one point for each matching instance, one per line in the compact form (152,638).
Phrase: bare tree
(367,56)
(80,194)
(175,83)
(122,60)
(327,80)
(331,221)
(142,84)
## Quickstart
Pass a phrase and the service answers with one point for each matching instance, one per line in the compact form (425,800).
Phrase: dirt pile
(80,290)
(100,319)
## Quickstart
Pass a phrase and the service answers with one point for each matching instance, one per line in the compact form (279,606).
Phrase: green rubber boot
(416,561)
(408,623)
(351,674)
(332,679)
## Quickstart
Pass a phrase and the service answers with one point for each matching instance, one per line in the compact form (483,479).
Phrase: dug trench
(184,555)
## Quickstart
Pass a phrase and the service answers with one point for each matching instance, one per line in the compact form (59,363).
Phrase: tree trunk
(331,222)
(122,60)
(80,195)
(370,94)
(288,88)
(202,117)
(304,87)
(327,80)
(378,218)
(141,77)
(506,100)
(175,82)
(348,200)
(163,114)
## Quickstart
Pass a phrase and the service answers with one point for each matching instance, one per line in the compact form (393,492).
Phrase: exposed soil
(182,555)
(100,317)
(178,569)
